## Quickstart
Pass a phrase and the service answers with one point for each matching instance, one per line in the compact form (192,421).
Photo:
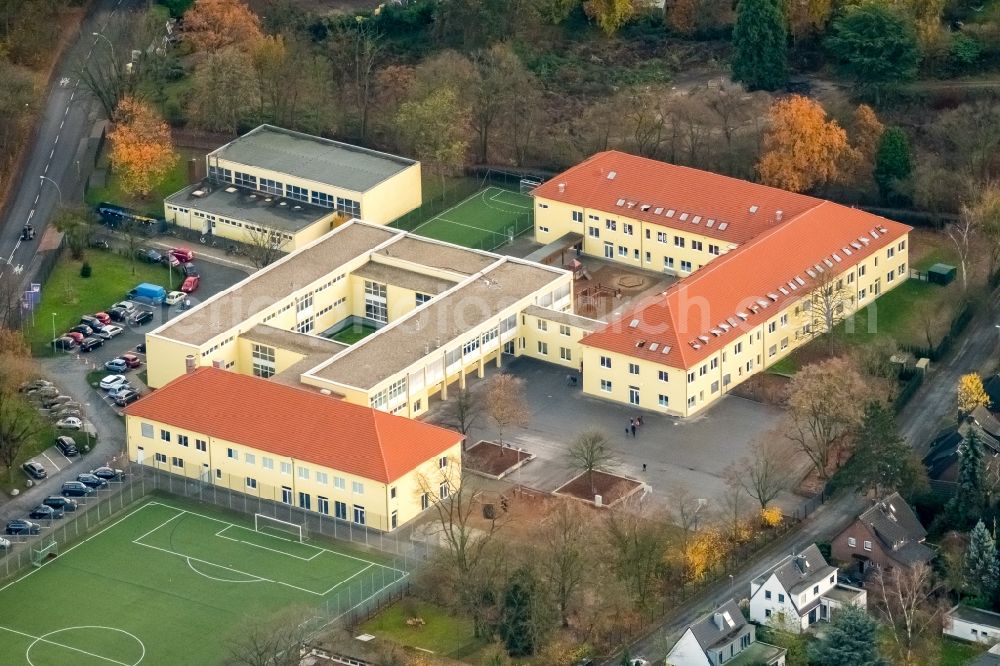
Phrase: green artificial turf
(481,221)
(171,586)
(353,333)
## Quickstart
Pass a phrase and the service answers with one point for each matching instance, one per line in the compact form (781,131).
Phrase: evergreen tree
(967,505)
(981,568)
(851,641)
(882,462)
(519,618)
(893,164)
(760,44)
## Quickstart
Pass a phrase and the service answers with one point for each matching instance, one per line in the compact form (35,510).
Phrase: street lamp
(58,189)
(53,332)
(110,45)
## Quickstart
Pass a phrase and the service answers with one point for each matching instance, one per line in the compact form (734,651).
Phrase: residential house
(943,458)
(723,637)
(799,591)
(972,624)
(887,535)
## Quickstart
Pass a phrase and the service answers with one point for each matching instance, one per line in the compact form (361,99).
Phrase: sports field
(484,221)
(168,585)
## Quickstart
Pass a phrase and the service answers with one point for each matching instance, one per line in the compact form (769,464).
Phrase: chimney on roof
(777,215)
(190,364)
(562,187)
(719,621)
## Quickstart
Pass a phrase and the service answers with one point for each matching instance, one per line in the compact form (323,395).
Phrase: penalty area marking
(254,579)
(44,638)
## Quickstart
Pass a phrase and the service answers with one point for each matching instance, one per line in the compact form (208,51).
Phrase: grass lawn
(42,440)
(353,333)
(896,314)
(958,653)
(789,365)
(441,633)
(177,581)
(152,205)
(68,295)
(482,220)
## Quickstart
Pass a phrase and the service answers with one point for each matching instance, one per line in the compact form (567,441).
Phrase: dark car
(18,526)
(67,445)
(100,244)
(45,511)
(126,397)
(141,347)
(189,270)
(118,314)
(152,256)
(93,322)
(90,344)
(91,481)
(76,489)
(64,503)
(64,343)
(34,470)
(108,474)
(141,317)
(82,329)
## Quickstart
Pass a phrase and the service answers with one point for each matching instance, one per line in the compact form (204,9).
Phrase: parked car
(108,473)
(55,401)
(83,329)
(45,512)
(141,317)
(113,330)
(190,270)
(118,390)
(147,293)
(111,381)
(22,527)
(102,317)
(70,423)
(131,360)
(67,445)
(4,543)
(44,393)
(64,343)
(63,503)
(100,244)
(181,254)
(92,322)
(118,314)
(103,333)
(35,385)
(638,661)
(78,338)
(76,489)
(91,481)
(141,347)
(128,306)
(116,365)
(174,297)
(66,413)
(126,397)
(152,256)
(90,344)
(190,284)
(34,470)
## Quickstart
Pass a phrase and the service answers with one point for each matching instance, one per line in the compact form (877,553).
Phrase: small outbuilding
(972,624)
(941,274)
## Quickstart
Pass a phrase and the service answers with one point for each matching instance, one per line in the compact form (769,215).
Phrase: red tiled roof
(640,182)
(712,297)
(289,421)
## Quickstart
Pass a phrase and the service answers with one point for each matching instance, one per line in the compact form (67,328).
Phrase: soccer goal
(274,527)
(528,185)
(42,553)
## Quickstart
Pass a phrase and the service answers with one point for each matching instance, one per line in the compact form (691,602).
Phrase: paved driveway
(692,452)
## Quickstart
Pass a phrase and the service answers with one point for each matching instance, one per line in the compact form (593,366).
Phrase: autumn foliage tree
(142,151)
(609,15)
(802,149)
(866,133)
(212,25)
(971,393)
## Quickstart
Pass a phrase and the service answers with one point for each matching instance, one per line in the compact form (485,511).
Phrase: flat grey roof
(243,205)
(261,290)
(399,345)
(437,255)
(313,158)
(567,318)
(977,615)
(293,341)
(401,277)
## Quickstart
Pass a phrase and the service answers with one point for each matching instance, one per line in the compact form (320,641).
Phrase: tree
(636,541)
(367,45)
(981,567)
(851,640)
(564,556)
(866,131)
(825,403)
(142,151)
(522,621)
(807,17)
(766,472)
(760,48)
(505,404)
(875,45)
(19,421)
(971,393)
(893,164)
(970,495)
(962,233)
(264,245)
(610,15)
(464,411)
(77,229)
(223,93)
(502,78)
(274,641)
(905,600)
(883,462)
(984,211)
(212,25)
(434,128)
(107,80)
(556,11)
(589,453)
(802,149)
(829,301)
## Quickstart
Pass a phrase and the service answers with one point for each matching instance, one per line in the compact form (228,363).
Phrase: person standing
(633,429)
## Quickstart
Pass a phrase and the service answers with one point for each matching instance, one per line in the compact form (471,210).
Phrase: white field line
(39,639)
(347,579)
(494,199)
(319,551)
(168,520)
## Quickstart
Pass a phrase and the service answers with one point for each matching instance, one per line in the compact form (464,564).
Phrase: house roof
(798,571)
(976,615)
(944,448)
(989,658)
(708,633)
(297,423)
(312,158)
(992,387)
(674,196)
(898,528)
(985,419)
(735,293)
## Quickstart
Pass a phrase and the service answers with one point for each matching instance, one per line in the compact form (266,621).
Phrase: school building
(286,188)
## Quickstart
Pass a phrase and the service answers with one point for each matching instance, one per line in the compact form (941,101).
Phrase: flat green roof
(757,653)
(313,158)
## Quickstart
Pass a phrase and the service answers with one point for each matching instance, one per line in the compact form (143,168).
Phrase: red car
(77,337)
(190,284)
(182,254)
(103,317)
(131,360)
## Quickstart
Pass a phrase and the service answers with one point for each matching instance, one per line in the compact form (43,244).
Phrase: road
(929,410)
(67,117)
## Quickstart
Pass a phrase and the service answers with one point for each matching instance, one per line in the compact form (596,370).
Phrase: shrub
(771,516)
(85,270)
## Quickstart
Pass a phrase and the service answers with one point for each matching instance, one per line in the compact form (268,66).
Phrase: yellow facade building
(295,446)
(287,189)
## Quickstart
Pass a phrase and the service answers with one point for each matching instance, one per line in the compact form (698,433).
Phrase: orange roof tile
(714,296)
(294,422)
(616,182)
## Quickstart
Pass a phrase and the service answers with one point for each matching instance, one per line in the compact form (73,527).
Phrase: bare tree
(636,541)
(687,512)
(132,230)
(906,601)
(984,213)
(589,453)
(464,411)
(564,555)
(962,233)
(505,404)
(265,246)
(270,641)
(828,304)
(367,47)
(766,472)
(19,421)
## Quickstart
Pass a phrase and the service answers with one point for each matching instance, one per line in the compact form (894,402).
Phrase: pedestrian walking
(638,420)
(643,467)
(633,429)
(626,431)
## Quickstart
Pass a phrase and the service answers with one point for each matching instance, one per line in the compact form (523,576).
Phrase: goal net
(528,185)
(42,553)
(280,528)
